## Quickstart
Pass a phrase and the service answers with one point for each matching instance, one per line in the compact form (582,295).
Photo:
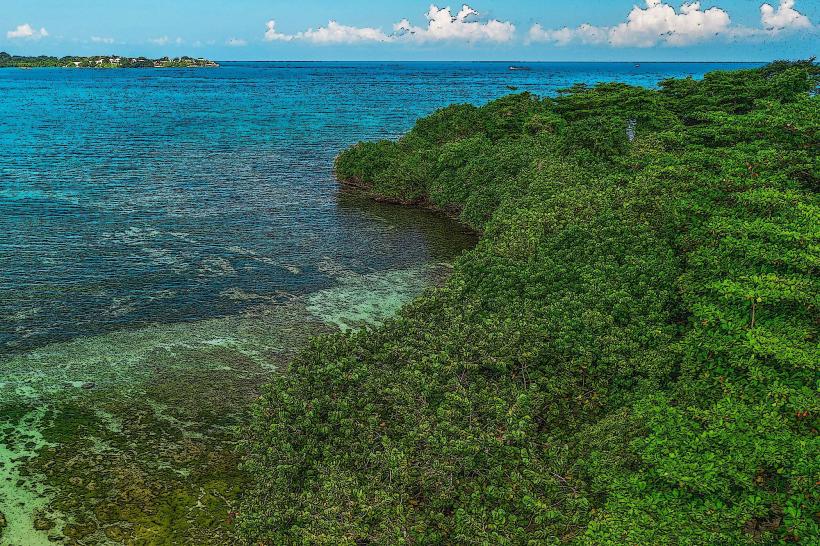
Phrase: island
(102,61)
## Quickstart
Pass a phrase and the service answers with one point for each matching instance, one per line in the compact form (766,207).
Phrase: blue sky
(585,30)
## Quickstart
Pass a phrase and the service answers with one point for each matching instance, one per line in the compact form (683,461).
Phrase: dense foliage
(628,356)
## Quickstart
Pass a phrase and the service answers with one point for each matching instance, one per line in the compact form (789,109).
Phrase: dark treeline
(628,356)
(99,61)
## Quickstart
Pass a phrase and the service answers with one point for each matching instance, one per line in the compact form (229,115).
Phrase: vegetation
(104,61)
(628,356)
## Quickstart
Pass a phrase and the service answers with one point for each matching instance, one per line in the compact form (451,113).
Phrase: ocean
(169,238)
(130,197)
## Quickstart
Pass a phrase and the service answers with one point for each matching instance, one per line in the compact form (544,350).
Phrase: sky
(526,30)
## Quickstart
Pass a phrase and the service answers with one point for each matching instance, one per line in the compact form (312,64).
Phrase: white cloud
(785,17)
(335,33)
(332,33)
(660,23)
(27,31)
(165,40)
(237,42)
(272,34)
(442,25)
(657,23)
(590,34)
(102,40)
(561,36)
(586,33)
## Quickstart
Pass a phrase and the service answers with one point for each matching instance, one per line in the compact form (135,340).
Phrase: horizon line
(699,61)
(472,61)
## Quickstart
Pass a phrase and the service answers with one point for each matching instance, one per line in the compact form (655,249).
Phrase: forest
(629,355)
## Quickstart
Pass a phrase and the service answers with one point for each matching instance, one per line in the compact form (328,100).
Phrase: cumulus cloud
(335,33)
(657,23)
(236,42)
(26,31)
(102,40)
(585,33)
(332,33)
(442,25)
(660,23)
(272,35)
(561,36)
(784,17)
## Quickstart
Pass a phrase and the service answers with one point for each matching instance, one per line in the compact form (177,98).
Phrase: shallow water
(133,197)
(120,436)
(169,239)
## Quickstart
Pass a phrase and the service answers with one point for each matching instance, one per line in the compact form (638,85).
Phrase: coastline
(360,188)
(108,67)
(103,61)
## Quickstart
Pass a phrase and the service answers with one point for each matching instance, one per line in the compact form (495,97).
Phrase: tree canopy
(628,356)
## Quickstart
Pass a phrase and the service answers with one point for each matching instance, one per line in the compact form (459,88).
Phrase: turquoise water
(169,239)
(133,197)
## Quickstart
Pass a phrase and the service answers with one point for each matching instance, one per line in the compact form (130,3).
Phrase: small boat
(637,66)
(519,68)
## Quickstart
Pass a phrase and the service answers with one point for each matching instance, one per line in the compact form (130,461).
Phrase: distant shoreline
(440,61)
(23,67)
(102,61)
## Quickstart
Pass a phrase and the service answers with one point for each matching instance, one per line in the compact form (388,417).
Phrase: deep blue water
(135,196)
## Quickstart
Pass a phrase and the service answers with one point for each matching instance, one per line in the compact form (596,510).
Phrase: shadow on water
(433,233)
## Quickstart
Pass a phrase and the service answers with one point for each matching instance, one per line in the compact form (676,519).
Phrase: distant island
(102,61)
